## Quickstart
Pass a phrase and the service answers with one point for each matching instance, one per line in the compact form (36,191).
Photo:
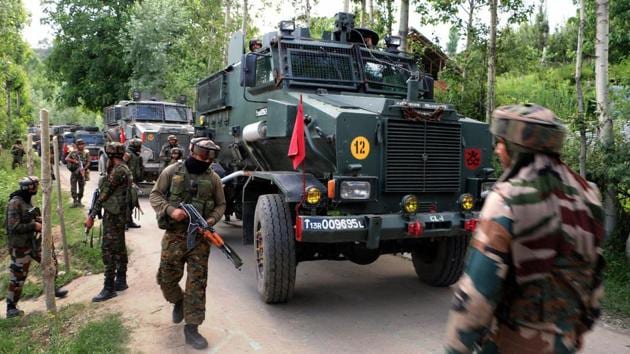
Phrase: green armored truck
(387,170)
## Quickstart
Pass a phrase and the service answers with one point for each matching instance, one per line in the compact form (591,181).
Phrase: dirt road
(339,307)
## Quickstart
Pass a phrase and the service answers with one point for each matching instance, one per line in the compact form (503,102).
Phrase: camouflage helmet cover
(204,148)
(79,141)
(115,149)
(172,137)
(177,150)
(135,143)
(529,128)
(28,181)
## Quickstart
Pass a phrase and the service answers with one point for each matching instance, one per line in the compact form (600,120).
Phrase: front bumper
(372,228)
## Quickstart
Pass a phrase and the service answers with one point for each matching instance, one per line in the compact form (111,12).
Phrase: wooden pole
(62,224)
(29,154)
(48,268)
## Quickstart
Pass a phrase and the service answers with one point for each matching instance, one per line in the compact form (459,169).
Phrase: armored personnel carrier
(152,121)
(387,169)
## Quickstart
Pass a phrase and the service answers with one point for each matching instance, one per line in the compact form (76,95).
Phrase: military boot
(178,311)
(79,204)
(133,225)
(121,282)
(108,291)
(60,293)
(13,311)
(75,204)
(193,337)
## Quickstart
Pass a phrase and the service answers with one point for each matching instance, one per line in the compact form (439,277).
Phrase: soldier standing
(113,198)
(165,152)
(23,224)
(134,161)
(17,150)
(176,155)
(533,278)
(190,181)
(78,161)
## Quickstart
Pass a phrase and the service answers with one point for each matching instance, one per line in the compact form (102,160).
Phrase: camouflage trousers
(21,258)
(174,257)
(17,161)
(524,340)
(77,185)
(113,247)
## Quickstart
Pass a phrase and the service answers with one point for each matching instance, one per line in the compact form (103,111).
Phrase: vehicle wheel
(274,243)
(102,165)
(440,262)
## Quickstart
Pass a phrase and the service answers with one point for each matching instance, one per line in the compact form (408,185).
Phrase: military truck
(387,169)
(152,121)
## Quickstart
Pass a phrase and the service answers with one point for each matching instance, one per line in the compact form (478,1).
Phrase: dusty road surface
(338,307)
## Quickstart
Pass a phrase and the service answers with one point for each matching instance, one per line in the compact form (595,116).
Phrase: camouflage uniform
(135,163)
(18,153)
(532,282)
(113,198)
(78,176)
(165,154)
(174,185)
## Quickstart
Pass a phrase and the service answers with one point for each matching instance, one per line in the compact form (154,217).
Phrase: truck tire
(440,262)
(274,244)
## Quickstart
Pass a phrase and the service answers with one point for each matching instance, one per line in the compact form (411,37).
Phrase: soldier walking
(190,181)
(165,152)
(134,161)
(17,150)
(78,161)
(113,198)
(533,278)
(23,223)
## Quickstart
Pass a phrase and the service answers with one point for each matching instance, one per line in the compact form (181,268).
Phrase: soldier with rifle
(165,152)
(191,182)
(113,188)
(134,161)
(18,152)
(77,162)
(23,225)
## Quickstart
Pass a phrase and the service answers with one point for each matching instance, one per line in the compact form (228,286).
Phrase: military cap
(115,149)
(529,128)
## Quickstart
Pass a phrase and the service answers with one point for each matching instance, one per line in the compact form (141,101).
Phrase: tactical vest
(20,239)
(190,188)
(117,201)
(77,155)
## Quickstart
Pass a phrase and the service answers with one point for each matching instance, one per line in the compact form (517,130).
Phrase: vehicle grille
(422,156)
(326,66)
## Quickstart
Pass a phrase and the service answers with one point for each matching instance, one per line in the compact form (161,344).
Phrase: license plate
(314,223)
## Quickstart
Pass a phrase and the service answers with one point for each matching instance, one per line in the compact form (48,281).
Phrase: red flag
(297,150)
(122,135)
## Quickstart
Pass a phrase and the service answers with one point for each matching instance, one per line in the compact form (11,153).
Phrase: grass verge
(617,283)
(66,332)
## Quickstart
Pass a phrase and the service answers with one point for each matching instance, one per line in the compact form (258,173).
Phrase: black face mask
(195,166)
(25,195)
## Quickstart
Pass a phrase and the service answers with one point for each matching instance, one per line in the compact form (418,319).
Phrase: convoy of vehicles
(387,169)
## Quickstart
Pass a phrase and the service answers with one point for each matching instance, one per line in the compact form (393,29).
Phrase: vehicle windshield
(175,114)
(92,139)
(150,112)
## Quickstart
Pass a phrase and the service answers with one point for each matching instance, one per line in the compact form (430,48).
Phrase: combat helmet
(177,150)
(27,182)
(135,144)
(172,137)
(115,150)
(204,148)
(529,128)
(79,142)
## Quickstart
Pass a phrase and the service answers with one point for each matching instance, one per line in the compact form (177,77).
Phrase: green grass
(66,332)
(617,283)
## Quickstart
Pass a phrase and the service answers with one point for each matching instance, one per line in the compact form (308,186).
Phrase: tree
(87,56)
(541,25)
(580,93)
(453,41)
(403,28)
(601,89)
(492,60)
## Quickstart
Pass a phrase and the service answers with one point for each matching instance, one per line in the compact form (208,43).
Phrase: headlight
(355,190)
(466,202)
(486,187)
(313,195)
(410,204)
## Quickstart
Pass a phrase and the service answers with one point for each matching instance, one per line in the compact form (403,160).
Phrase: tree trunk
(492,60)
(580,94)
(390,15)
(9,127)
(244,25)
(363,14)
(62,223)
(346,5)
(307,13)
(48,268)
(29,154)
(371,13)
(601,93)
(403,29)
(469,25)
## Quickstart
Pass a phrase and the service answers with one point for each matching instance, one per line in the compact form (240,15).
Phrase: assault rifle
(36,214)
(92,212)
(197,225)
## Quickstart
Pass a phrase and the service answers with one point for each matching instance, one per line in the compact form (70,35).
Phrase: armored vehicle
(387,170)
(152,121)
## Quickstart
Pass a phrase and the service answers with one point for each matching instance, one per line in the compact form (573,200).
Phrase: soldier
(134,162)
(22,225)
(17,150)
(190,181)
(533,278)
(255,45)
(165,152)
(78,162)
(176,155)
(113,198)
